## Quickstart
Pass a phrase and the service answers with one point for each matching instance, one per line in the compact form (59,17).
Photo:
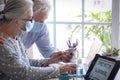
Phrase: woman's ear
(16,23)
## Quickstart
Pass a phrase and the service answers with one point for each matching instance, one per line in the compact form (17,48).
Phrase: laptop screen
(102,68)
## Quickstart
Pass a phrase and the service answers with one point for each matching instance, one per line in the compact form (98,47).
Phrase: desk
(69,79)
(72,78)
(75,78)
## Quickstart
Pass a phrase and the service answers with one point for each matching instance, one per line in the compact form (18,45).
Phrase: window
(83,20)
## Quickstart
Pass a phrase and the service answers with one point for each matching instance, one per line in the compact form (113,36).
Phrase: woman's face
(17,25)
(27,17)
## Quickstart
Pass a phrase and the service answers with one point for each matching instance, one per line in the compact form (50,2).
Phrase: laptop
(102,68)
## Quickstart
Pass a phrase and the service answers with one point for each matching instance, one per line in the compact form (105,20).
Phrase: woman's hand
(67,67)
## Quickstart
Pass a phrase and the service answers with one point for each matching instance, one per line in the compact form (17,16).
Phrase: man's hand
(67,55)
(2,40)
(56,57)
(64,56)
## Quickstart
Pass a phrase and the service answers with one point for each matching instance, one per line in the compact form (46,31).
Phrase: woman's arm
(17,67)
(39,63)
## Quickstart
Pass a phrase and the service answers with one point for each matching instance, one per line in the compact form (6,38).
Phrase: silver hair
(41,5)
(15,9)
(2,5)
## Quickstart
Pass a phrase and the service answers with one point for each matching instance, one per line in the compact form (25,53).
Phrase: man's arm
(43,43)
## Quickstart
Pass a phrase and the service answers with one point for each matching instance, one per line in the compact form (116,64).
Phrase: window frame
(114,24)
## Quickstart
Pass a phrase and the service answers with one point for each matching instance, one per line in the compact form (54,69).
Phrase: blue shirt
(15,65)
(40,36)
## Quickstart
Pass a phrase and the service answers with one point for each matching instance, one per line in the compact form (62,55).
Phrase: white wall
(118,75)
(115,23)
(116,28)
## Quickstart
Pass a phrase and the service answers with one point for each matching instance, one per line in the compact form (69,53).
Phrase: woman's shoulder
(7,39)
(8,45)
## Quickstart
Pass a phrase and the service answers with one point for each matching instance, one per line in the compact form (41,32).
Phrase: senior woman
(14,63)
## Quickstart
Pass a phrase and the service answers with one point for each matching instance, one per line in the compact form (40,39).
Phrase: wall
(115,24)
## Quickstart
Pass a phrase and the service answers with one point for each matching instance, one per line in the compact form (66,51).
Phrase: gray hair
(41,5)
(15,9)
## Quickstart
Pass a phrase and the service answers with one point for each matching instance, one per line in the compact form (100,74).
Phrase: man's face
(41,16)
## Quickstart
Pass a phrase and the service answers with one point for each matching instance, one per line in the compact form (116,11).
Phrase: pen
(68,44)
(73,45)
(76,42)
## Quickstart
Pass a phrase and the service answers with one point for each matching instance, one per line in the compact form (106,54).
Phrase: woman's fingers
(67,67)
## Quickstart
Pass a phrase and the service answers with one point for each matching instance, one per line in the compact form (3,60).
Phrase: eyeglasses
(31,19)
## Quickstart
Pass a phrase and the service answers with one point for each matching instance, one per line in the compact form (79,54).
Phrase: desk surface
(73,77)
(69,79)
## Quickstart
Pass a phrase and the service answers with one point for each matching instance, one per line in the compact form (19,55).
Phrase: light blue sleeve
(29,38)
(39,35)
(43,43)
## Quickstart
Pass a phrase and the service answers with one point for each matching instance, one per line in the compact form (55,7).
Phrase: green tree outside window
(102,32)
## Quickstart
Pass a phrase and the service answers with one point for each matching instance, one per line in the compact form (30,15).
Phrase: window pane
(50,17)
(98,10)
(67,10)
(65,32)
(102,33)
(51,32)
